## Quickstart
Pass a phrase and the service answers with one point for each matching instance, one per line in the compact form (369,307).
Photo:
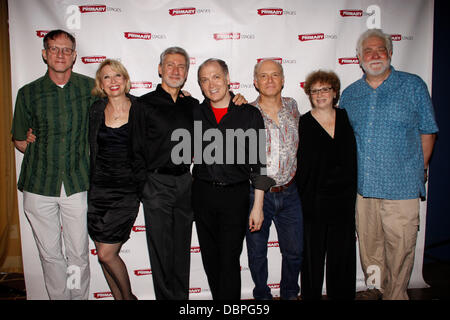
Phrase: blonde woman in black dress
(112,200)
(326,180)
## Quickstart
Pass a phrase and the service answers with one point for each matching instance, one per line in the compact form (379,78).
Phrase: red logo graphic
(181,11)
(312,36)
(94,252)
(280,60)
(138,228)
(138,35)
(273,285)
(141,85)
(101,295)
(351,13)
(302,84)
(270,12)
(227,36)
(272,244)
(195,290)
(195,249)
(348,60)
(143,272)
(41,33)
(92,8)
(396,37)
(235,85)
(93,59)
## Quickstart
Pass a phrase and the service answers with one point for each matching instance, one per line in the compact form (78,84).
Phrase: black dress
(113,201)
(326,179)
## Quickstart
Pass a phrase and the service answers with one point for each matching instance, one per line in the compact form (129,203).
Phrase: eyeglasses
(55,50)
(317,91)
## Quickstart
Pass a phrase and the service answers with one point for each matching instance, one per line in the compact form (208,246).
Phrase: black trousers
(168,223)
(338,243)
(221,215)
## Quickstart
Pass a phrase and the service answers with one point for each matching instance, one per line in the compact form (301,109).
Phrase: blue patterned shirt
(388,123)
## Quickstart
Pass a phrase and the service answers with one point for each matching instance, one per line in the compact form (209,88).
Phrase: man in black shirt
(166,187)
(222,174)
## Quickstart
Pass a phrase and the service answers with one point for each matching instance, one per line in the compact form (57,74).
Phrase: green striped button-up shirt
(59,118)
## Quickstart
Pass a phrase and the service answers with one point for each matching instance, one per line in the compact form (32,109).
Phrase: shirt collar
(231,105)
(160,90)
(48,82)
(256,104)
(392,76)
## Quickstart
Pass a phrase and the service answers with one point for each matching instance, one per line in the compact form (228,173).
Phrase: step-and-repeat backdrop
(303,35)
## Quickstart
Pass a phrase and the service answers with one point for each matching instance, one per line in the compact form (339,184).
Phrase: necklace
(117,114)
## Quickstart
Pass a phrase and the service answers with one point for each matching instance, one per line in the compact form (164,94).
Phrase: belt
(175,171)
(283,187)
(217,184)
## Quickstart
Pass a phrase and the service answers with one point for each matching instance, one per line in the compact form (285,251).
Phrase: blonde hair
(117,66)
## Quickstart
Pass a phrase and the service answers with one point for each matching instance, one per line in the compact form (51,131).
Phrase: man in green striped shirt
(54,176)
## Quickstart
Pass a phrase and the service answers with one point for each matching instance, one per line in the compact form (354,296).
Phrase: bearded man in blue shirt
(393,120)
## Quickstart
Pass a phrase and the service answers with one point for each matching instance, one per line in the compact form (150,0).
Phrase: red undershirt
(219,113)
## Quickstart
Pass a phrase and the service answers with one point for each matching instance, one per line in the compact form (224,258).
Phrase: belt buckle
(218,184)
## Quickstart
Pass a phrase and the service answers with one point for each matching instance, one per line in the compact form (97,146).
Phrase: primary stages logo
(275,12)
(373,14)
(102,295)
(351,13)
(187,11)
(143,272)
(97,8)
(181,11)
(138,35)
(138,228)
(195,249)
(93,59)
(141,85)
(238,85)
(399,37)
(278,59)
(74,12)
(233,36)
(41,33)
(316,36)
(351,60)
(143,36)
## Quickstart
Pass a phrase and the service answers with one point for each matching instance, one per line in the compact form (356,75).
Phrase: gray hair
(221,63)
(175,50)
(374,33)
(259,63)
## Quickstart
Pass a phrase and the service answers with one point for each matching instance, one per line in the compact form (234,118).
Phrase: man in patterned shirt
(55,170)
(282,202)
(393,120)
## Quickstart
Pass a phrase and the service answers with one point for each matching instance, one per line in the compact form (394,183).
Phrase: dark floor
(437,275)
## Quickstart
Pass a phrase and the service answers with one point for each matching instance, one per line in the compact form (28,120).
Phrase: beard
(174,83)
(367,67)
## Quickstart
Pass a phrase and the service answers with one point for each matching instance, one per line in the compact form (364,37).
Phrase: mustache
(375,61)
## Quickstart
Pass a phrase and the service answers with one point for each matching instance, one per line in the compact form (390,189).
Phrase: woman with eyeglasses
(326,179)
(113,202)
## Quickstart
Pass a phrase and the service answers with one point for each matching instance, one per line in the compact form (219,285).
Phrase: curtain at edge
(10,245)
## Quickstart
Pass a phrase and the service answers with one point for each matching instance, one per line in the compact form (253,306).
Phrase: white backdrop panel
(304,35)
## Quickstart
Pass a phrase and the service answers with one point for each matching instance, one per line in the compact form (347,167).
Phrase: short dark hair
(326,77)
(56,33)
